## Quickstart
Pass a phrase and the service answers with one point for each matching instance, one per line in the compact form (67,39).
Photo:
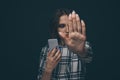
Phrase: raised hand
(76,36)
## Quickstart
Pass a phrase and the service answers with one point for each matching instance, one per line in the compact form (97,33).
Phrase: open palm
(76,36)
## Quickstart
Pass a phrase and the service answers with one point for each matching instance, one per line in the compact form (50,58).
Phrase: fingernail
(77,17)
(82,21)
(73,12)
(69,16)
(59,33)
(59,48)
(56,47)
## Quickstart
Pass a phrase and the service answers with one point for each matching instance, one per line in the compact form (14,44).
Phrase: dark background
(24,30)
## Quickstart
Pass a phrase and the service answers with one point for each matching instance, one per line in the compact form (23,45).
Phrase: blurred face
(63,24)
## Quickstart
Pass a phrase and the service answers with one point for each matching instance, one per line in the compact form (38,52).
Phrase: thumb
(63,35)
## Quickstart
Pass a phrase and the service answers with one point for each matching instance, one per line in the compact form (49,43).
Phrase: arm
(46,67)
(88,53)
(43,74)
(46,75)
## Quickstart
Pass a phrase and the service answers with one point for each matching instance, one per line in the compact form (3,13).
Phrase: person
(69,61)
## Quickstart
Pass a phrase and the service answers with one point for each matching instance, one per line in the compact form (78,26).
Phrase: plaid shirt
(70,67)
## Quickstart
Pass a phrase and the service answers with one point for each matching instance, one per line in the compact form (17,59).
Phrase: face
(63,24)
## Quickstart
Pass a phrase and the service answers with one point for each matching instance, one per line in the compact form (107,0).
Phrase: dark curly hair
(54,23)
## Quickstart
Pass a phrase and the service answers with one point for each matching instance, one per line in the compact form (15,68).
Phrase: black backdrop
(24,30)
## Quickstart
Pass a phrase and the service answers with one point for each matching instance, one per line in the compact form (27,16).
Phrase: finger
(83,27)
(70,23)
(56,54)
(67,28)
(53,52)
(78,23)
(59,59)
(49,53)
(74,21)
(59,56)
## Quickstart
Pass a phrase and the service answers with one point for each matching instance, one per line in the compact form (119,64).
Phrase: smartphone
(52,43)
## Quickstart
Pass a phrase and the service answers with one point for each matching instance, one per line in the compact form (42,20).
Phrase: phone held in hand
(52,43)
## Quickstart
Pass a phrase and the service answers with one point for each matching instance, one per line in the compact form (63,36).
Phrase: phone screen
(52,43)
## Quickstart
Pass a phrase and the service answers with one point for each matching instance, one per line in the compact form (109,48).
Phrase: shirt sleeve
(41,69)
(89,52)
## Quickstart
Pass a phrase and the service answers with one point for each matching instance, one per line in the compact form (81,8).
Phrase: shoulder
(44,50)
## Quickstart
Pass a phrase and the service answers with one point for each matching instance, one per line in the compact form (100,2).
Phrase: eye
(61,25)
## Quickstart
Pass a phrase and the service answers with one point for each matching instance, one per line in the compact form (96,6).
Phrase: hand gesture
(76,36)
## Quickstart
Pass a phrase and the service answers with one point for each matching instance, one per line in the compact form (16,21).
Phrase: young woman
(69,63)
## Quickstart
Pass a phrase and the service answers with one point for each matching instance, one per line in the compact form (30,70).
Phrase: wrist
(82,52)
(49,71)
(80,49)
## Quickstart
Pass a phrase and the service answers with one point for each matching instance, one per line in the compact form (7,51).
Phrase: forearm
(46,75)
(87,53)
